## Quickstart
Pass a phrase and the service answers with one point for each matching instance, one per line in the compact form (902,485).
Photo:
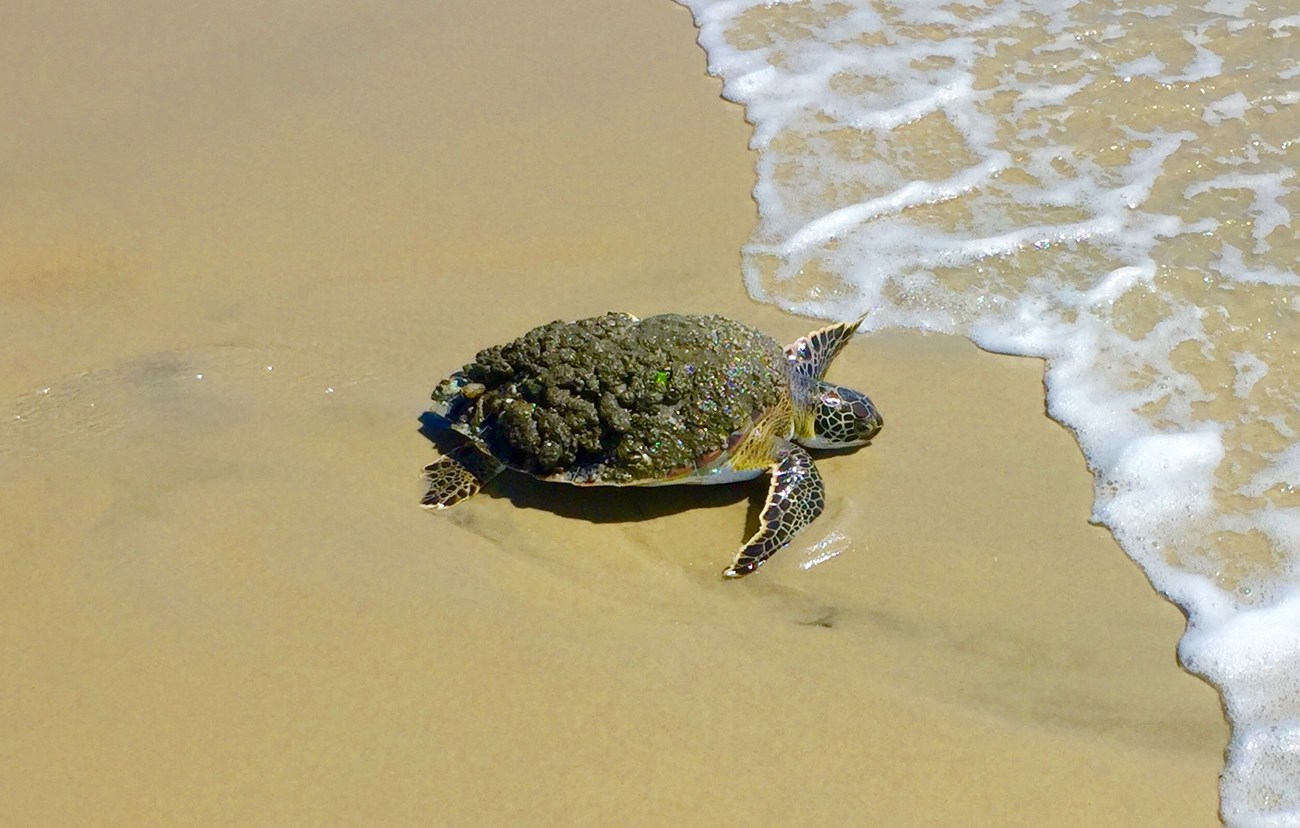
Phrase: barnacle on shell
(635,399)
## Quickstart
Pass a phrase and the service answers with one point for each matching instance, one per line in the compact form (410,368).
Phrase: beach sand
(241,248)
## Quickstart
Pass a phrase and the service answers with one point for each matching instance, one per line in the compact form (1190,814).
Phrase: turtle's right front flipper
(457,476)
(796,496)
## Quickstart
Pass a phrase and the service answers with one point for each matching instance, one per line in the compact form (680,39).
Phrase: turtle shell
(615,399)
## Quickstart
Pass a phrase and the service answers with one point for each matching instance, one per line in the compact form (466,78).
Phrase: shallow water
(1111,187)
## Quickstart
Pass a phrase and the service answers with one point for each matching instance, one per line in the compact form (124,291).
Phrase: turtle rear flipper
(457,476)
(795,497)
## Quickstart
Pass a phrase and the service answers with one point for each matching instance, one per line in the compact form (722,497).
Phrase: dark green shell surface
(615,400)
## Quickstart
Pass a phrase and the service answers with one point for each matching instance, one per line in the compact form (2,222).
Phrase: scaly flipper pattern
(795,497)
(812,354)
(457,476)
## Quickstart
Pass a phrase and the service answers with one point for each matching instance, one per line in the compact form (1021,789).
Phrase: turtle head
(841,418)
(828,416)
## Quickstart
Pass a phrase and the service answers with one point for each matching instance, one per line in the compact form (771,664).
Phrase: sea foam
(1111,189)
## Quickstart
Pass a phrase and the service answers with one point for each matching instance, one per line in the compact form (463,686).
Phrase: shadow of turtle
(603,504)
(630,504)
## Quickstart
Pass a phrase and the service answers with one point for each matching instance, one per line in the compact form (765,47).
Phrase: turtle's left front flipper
(795,497)
(457,476)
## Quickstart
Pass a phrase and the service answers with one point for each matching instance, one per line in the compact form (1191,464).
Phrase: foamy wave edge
(1152,480)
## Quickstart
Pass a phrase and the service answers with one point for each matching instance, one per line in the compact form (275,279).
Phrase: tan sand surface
(240,246)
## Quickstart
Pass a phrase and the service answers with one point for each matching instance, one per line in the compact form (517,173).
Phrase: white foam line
(913,194)
(1114,285)
(1269,192)
(1037,97)
(1231,263)
(917,108)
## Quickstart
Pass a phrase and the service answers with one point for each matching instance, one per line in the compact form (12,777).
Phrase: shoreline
(256,622)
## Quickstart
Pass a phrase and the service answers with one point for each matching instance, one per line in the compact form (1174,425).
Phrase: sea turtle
(619,401)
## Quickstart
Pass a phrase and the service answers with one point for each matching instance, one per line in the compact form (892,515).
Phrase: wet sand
(239,251)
